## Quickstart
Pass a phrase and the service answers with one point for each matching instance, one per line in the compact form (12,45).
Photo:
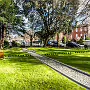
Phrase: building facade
(79,32)
(82,31)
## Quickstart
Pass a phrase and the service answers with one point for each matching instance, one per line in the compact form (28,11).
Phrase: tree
(7,15)
(34,19)
(45,9)
(84,13)
(57,18)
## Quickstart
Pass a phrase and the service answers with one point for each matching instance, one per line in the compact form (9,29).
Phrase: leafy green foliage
(7,11)
(87,38)
(80,41)
(6,44)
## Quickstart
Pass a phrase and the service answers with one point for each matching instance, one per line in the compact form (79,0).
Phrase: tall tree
(7,15)
(56,17)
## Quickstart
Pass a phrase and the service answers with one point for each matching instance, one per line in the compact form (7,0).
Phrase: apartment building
(82,31)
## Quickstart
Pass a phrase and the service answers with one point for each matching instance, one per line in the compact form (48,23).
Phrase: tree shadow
(82,63)
(21,57)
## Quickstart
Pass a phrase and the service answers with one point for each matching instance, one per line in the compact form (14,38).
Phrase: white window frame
(81,29)
(81,35)
(71,36)
(85,28)
(76,29)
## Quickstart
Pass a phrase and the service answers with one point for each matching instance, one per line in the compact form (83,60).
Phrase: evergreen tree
(7,16)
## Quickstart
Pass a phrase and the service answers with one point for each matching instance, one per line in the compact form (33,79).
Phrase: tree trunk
(30,40)
(2,32)
(45,42)
(0,44)
(58,39)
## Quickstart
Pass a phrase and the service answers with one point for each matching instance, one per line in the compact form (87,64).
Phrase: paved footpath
(74,74)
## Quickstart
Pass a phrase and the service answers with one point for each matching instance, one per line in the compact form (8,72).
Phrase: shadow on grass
(82,63)
(17,57)
(69,57)
(63,51)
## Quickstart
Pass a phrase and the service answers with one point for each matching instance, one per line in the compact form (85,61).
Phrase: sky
(81,7)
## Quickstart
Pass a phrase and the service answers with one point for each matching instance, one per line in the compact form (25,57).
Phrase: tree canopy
(52,16)
(58,17)
(8,11)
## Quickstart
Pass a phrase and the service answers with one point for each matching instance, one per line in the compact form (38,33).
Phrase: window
(81,29)
(85,28)
(76,29)
(76,35)
(85,36)
(71,36)
(81,35)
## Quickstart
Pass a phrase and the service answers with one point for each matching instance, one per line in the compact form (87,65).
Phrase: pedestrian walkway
(74,74)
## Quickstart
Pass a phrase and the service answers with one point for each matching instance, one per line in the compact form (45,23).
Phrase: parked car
(86,43)
(23,44)
(62,45)
(37,43)
(52,43)
(73,45)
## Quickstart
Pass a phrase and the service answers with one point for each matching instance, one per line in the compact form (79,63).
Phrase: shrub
(87,38)
(80,41)
(14,44)
(6,44)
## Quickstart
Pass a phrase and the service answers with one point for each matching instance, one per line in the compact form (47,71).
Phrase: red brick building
(79,32)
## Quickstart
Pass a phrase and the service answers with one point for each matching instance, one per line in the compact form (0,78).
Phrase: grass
(27,73)
(78,58)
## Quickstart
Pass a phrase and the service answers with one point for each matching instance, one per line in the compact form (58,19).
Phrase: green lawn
(27,73)
(78,58)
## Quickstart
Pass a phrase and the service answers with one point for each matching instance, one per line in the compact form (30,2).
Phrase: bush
(80,41)
(6,44)
(87,38)
(69,41)
(15,44)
